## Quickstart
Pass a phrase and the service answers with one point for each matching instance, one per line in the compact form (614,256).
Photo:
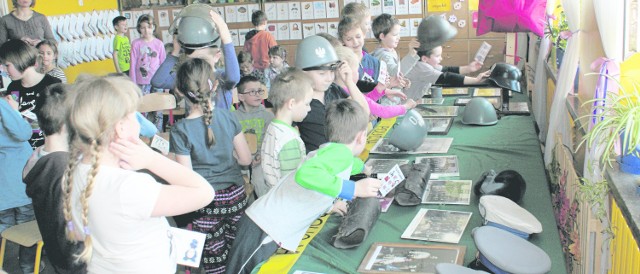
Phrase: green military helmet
(434,31)
(409,133)
(505,76)
(195,28)
(479,111)
(315,53)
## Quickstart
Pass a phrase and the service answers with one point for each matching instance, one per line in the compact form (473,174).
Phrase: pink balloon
(511,16)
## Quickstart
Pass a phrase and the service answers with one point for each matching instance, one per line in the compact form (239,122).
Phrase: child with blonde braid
(212,143)
(120,213)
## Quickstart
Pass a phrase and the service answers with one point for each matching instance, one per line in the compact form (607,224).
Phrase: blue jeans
(17,215)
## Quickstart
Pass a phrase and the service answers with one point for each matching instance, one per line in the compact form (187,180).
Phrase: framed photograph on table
(409,258)
(430,101)
(455,91)
(429,145)
(450,192)
(489,92)
(435,225)
(437,111)
(438,125)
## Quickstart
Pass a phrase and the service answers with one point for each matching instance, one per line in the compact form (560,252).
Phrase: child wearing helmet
(165,76)
(283,215)
(318,59)
(432,33)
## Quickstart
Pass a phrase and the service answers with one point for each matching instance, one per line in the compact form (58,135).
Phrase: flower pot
(559,56)
(628,160)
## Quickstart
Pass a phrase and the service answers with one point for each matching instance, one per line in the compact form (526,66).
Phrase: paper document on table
(482,52)
(391,180)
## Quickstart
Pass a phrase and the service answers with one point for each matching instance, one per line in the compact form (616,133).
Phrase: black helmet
(434,31)
(195,28)
(508,183)
(505,76)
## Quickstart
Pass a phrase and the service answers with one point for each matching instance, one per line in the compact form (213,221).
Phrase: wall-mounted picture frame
(409,258)
(438,125)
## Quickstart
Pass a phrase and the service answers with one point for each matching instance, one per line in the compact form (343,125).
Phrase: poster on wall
(273,29)
(294,11)
(175,13)
(439,5)
(163,18)
(129,16)
(219,10)
(405,31)
(319,10)
(230,14)
(235,37)
(402,7)
(332,9)
(307,11)
(332,28)
(308,29)
(283,31)
(252,8)
(282,11)
(243,13)
(295,30)
(320,27)
(242,33)
(388,6)
(415,6)
(413,26)
(375,6)
(270,10)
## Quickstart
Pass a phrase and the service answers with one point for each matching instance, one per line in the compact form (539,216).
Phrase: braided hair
(195,79)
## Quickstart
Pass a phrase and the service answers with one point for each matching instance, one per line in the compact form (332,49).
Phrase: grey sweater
(37,27)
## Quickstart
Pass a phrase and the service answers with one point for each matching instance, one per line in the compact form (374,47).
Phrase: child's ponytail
(194,81)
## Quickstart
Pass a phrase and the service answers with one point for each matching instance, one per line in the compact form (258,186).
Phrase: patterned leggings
(218,220)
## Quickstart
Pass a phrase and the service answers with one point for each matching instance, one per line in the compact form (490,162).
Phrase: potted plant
(558,34)
(618,122)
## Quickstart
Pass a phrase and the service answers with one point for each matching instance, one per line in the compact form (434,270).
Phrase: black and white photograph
(517,108)
(435,225)
(382,166)
(429,145)
(438,125)
(409,258)
(495,101)
(452,192)
(441,166)
(437,111)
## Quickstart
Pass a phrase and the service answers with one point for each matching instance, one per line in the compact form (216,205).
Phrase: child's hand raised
(12,103)
(133,154)
(475,66)
(344,72)
(367,187)
(409,104)
(413,45)
(339,207)
(395,93)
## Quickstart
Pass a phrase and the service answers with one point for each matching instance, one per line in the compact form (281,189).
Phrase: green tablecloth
(511,144)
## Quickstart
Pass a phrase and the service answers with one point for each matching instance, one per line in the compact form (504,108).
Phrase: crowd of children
(98,213)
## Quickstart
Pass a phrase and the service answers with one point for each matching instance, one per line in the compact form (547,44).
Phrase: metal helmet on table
(409,133)
(505,76)
(479,111)
(194,27)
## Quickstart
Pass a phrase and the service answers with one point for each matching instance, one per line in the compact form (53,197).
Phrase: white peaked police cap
(504,212)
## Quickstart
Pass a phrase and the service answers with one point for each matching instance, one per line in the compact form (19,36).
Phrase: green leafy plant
(616,115)
(555,32)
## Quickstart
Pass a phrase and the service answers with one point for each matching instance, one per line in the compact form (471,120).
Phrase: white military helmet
(315,52)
